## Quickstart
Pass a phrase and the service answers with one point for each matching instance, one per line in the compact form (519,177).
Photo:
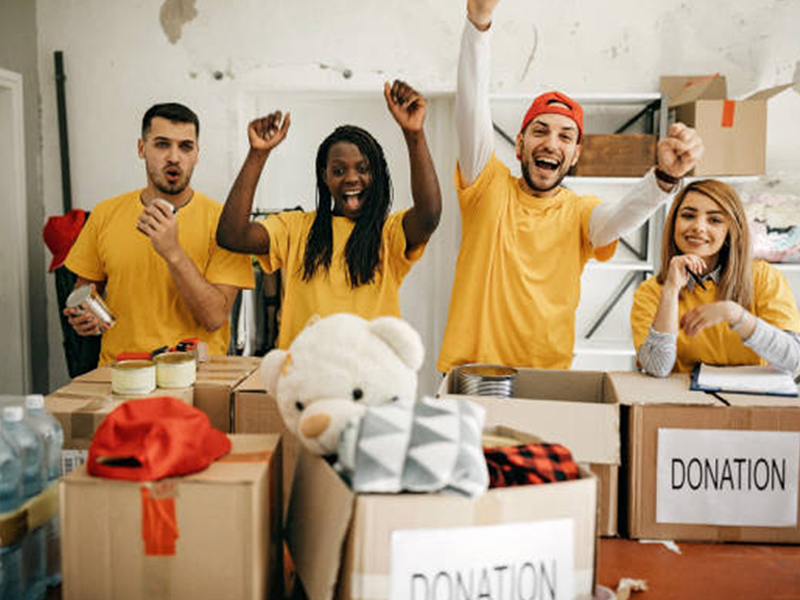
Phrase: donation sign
(512,561)
(727,477)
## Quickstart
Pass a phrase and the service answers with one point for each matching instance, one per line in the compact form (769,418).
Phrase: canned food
(166,204)
(175,369)
(486,380)
(133,377)
(85,299)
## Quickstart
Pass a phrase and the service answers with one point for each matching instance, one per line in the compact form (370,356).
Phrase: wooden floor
(706,571)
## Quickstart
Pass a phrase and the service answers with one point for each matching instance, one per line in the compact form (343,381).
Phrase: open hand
(679,152)
(407,106)
(269,131)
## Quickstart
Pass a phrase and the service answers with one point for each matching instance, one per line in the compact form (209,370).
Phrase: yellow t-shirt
(719,344)
(139,288)
(518,274)
(329,292)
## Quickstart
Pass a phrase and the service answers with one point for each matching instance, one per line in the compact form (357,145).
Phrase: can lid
(13,413)
(173,358)
(78,295)
(132,364)
(488,371)
(34,402)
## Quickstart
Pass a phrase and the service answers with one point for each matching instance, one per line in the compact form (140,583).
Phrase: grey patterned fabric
(427,446)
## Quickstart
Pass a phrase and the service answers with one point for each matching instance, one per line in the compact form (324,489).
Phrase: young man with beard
(525,240)
(153,250)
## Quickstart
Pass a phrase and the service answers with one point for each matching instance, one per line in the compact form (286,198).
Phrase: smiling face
(547,149)
(170,153)
(701,227)
(348,176)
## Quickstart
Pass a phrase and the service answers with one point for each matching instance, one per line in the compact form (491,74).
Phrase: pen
(696,278)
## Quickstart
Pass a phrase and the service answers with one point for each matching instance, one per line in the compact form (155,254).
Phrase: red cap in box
(153,438)
(556,103)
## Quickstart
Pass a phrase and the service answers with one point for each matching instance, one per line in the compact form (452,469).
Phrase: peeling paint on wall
(174,15)
(532,54)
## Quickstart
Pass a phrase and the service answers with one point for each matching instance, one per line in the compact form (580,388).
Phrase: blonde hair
(735,256)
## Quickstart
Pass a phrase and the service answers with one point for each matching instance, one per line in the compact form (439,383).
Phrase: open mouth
(353,199)
(548,164)
(173,174)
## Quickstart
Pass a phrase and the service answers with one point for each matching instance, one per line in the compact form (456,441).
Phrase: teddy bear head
(335,368)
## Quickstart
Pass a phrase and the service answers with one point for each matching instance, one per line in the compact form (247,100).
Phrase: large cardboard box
(256,411)
(734,132)
(228,521)
(706,467)
(616,155)
(80,408)
(577,409)
(539,540)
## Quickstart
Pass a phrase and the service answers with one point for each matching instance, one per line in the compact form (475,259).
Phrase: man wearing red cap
(525,241)
(153,250)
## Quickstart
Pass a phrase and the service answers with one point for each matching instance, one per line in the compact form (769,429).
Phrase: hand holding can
(87,312)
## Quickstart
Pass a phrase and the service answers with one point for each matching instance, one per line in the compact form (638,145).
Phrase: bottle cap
(12,413)
(34,402)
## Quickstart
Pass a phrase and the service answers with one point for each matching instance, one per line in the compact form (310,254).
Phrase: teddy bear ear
(400,337)
(271,368)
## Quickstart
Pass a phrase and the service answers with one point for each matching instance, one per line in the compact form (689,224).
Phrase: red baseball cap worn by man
(153,438)
(555,103)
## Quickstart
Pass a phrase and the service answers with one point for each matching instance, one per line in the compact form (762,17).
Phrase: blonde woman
(710,302)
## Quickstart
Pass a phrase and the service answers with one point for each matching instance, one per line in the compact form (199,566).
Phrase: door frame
(11,82)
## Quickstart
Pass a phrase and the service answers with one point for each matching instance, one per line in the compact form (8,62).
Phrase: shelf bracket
(629,280)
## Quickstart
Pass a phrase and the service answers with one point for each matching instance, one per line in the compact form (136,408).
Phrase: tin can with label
(129,377)
(86,300)
(175,369)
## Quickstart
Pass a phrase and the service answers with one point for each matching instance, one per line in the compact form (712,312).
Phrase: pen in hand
(697,279)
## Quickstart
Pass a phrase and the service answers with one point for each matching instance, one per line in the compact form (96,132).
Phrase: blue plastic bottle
(30,448)
(48,427)
(10,500)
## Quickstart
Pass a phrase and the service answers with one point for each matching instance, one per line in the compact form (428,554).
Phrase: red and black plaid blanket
(529,464)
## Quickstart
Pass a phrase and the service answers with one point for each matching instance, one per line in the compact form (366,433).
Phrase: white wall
(119,60)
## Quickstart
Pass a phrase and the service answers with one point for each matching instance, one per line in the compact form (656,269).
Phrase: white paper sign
(531,561)
(727,477)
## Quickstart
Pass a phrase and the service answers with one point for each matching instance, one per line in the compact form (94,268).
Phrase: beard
(167,188)
(526,167)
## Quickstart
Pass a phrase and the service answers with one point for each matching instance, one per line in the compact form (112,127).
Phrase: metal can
(486,380)
(86,299)
(129,377)
(175,369)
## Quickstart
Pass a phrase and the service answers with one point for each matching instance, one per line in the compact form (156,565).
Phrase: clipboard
(748,379)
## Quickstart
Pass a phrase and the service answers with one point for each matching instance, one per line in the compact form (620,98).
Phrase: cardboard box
(216,380)
(377,546)
(577,409)
(616,155)
(255,411)
(708,468)
(80,407)
(228,520)
(734,132)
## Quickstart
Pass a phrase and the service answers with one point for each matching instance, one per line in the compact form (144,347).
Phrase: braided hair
(362,252)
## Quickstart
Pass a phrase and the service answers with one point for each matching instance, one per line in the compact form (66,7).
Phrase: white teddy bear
(336,368)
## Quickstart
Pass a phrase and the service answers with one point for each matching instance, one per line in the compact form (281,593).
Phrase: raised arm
(473,111)
(235,231)
(677,155)
(408,108)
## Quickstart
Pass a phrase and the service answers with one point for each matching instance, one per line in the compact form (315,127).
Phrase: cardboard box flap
(638,388)
(769,92)
(683,90)
(98,375)
(323,503)
(253,383)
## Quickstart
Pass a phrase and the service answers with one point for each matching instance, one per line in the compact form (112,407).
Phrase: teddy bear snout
(314,425)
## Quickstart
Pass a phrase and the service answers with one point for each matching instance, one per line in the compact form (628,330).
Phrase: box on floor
(576,409)
(709,468)
(228,520)
(256,411)
(537,539)
(734,132)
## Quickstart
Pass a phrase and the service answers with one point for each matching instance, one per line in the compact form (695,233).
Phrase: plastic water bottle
(30,448)
(10,500)
(48,427)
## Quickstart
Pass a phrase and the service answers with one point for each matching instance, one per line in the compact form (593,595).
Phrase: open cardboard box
(360,546)
(734,132)
(687,452)
(256,411)
(577,409)
(228,519)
